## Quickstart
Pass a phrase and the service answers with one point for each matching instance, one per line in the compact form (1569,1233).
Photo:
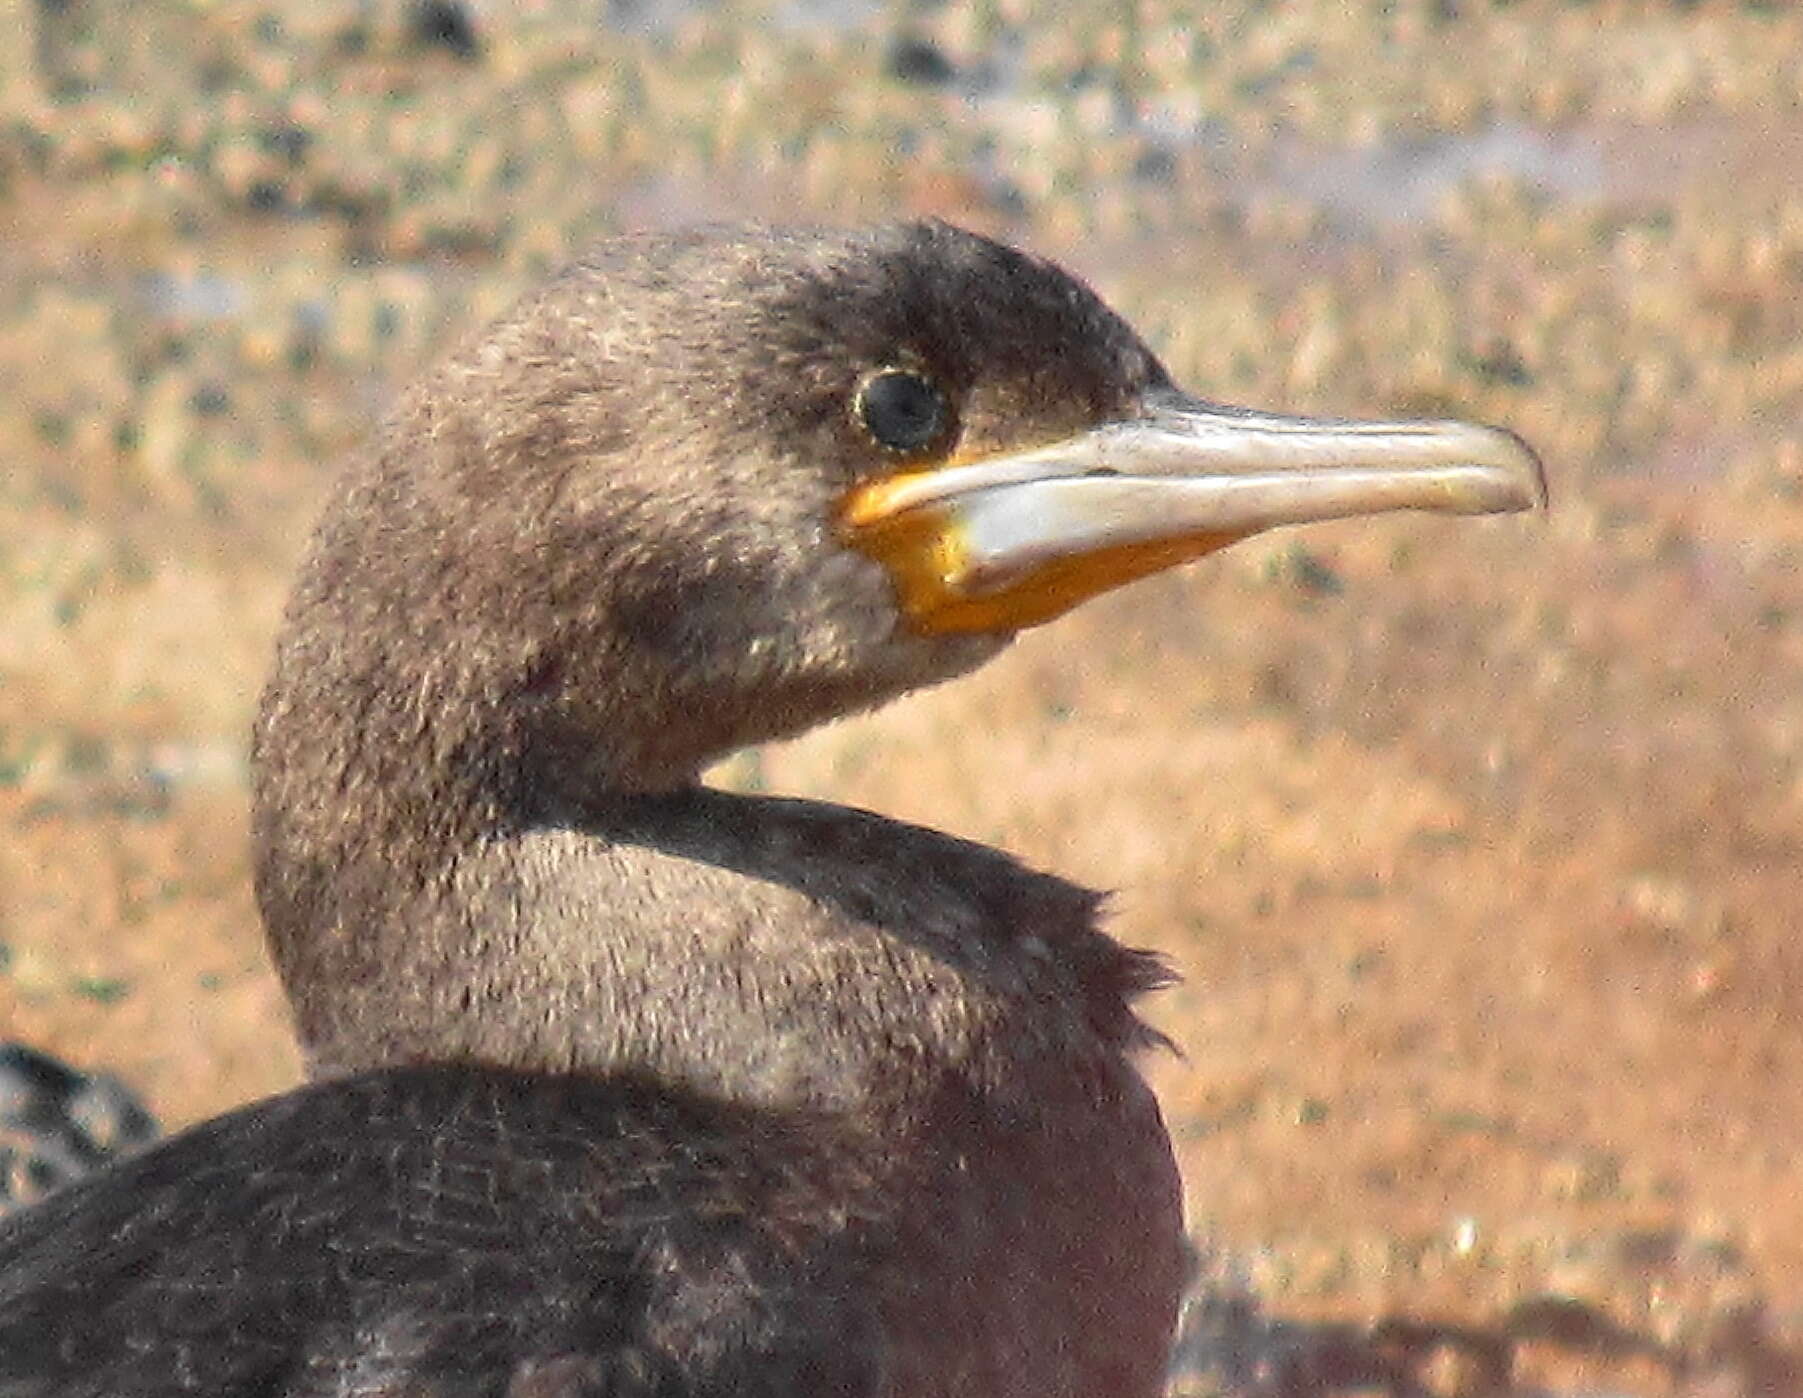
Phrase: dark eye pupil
(901,410)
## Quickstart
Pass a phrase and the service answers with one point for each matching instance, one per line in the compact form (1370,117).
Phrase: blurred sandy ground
(1478,844)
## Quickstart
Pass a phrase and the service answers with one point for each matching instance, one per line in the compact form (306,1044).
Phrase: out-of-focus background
(1480,846)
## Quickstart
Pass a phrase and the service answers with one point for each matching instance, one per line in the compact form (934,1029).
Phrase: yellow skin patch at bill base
(924,552)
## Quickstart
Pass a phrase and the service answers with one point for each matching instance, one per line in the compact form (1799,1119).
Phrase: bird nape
(629,1086)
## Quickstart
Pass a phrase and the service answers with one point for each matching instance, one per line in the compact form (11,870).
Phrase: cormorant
(626,1086)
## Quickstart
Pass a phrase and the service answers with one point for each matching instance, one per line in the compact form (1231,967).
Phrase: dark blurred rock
(58,1124)
(1156,164)
(210,399)
(912,59)
(445,24)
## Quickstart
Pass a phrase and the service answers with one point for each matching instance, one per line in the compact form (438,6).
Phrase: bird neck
(427,901)
(479,836)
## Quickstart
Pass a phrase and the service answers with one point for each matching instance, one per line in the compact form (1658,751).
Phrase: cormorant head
(714,487)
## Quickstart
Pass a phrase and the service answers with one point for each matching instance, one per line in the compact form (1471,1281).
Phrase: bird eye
(901,409)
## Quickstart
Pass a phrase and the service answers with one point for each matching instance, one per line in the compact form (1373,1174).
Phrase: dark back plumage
(450,1232)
